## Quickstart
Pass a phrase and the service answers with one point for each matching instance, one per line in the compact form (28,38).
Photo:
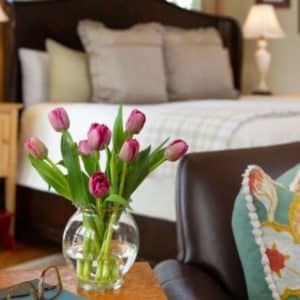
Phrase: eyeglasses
(48,287)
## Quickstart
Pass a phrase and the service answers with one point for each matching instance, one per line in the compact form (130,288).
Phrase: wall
(208,6)
(284,77)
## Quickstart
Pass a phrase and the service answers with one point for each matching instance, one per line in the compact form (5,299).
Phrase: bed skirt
(42,215)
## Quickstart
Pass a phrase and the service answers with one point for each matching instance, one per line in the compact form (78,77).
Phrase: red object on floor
(6,240)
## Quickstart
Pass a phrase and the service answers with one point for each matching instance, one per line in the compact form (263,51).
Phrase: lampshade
(3,15)
(262,22)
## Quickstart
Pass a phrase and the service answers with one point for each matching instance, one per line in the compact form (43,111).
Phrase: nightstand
(8,153)
(291,97)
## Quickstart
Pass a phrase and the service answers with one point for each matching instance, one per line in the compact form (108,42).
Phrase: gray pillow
(197,65)
(126,65)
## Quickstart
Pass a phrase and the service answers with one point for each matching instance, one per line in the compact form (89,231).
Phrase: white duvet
(206,125)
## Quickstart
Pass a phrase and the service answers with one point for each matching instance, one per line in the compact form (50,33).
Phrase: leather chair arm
(188,282)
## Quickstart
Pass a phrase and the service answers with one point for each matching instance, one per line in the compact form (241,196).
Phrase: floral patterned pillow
(266,226)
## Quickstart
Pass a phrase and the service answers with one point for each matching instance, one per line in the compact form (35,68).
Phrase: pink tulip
(129,150)
(84,147)
(36,148)
(93,126)
(59,119)
(176,150)
(98,185)
(99,136)
(135,122)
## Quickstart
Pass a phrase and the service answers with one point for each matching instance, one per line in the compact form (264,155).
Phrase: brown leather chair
(208,266)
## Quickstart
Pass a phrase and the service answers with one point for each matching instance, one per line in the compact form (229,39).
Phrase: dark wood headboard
(31,22)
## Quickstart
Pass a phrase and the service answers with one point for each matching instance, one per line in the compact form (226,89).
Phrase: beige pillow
(197,65)
(69,74)
(203,36)
(126,65)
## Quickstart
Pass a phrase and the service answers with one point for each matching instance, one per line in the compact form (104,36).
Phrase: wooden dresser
(8,152)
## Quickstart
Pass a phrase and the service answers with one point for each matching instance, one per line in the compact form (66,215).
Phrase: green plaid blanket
(205,130)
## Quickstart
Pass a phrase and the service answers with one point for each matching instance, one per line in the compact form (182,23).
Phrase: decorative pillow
(35,77)
(69,74)
(126,65)
(266,226)
(197,65)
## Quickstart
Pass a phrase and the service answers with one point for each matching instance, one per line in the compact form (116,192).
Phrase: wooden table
(140,283)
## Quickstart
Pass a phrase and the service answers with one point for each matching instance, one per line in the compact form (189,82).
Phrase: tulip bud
(135,122)
(176,150)
(93,126)
(59,119)
(98,185)
(99,136)
(84,147)
(129,150)
(36,148)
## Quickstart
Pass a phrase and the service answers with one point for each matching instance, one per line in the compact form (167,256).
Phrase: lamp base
(262,93)
(263,60)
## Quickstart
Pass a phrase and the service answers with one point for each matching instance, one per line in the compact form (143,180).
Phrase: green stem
(87,263)
(106,264)
(113,173)
(107,160)
(97,160)
(84,265)
(98,205)
(123,178)
(68,134)
(92,226)
(111,223)
(99,222)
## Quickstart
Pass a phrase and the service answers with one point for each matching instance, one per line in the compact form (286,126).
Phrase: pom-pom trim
(257,231)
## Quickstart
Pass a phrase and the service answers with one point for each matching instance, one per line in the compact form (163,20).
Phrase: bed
(224,124)
(41,214)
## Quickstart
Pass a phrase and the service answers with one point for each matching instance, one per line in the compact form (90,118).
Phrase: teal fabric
(247,248)
(64,295)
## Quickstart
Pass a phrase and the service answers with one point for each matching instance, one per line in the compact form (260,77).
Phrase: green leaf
(137,172)
(79,190)
(61,163)
(119,134)
(53,177)
(91,162)
(108,156)
(158,154)
(91,201)
(114,198)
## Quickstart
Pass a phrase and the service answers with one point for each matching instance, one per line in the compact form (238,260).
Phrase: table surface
(10,105)
(140,283)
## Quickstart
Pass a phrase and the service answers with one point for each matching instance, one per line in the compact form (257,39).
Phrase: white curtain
(189,4)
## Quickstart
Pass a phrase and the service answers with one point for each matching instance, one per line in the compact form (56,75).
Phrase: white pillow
(35,76)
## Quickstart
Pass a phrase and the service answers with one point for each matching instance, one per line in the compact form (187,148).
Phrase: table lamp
(262,24)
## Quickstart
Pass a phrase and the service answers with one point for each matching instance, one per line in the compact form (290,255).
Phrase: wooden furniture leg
(10,182)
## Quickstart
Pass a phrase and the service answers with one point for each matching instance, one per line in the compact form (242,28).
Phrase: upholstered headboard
(31,22)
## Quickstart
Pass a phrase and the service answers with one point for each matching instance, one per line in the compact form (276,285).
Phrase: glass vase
(101,246)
